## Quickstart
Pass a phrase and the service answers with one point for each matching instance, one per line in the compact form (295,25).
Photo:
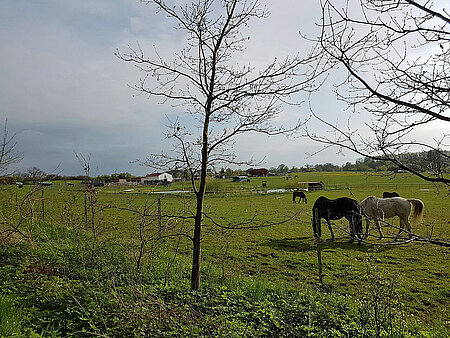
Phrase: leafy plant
(10,317)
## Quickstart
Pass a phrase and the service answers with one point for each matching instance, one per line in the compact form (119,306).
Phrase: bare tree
(8,154)
(35,174)
(222,98)
(396,58)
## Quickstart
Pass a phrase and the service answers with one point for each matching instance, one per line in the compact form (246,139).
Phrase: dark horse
(390,194)
(331,210)
(300,194)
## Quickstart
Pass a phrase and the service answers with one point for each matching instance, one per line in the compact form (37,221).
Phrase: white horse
(374,208)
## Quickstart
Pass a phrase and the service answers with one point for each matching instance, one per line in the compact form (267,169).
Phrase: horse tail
(418,209)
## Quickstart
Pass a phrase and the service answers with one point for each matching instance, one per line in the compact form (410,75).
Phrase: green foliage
(381,309)
(65,294)
(10,317)
(214,185)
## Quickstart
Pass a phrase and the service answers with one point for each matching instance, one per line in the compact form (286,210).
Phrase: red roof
(153,175)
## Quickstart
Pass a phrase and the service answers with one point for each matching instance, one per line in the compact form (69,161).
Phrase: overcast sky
(63,90)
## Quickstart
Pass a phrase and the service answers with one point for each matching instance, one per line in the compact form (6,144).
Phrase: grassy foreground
(60,279)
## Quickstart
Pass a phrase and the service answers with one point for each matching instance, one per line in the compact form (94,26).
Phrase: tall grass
(10,317)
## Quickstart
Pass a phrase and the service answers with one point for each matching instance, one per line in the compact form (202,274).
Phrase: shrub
(214,185)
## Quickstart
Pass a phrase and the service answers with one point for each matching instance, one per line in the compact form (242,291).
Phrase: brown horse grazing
(300,194)
(387,194)
(374,208)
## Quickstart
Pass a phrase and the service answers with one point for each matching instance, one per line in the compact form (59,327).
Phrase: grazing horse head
(376,209)
(337,209)
(387,194)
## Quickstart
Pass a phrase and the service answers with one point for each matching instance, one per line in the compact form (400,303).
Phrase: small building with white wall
(157,178)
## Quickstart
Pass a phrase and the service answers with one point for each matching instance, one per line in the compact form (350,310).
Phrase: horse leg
(331,230)
(367,227)
(379,228)
(352,233)
(352,228)
(408,227)
(404,223)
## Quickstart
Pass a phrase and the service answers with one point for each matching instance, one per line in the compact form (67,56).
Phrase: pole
(85,212)
(159,214)
(319,253)
(43,206)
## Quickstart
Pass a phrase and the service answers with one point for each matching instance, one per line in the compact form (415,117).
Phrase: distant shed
(261,172)
(312,185)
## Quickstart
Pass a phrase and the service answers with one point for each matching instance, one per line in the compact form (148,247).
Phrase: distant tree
(437,162)
(8,154)
(228,172)
(396,57)
(103,178)
(282,169)
(330,167)
(348,167)
(361,166)
(239,172)
(223,98)
(126,175)
(35,174)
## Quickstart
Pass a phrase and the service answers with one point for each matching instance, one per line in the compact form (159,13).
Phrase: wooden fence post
(159,215)
(319,253)
(43,206)
(85,212)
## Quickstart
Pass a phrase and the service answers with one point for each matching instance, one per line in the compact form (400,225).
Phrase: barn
(261,172)
(157,178)
(310,186)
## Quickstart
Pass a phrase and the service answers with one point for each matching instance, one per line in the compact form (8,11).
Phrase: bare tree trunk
(196,254)
(205,78)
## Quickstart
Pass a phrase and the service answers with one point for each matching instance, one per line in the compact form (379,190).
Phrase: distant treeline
(436,161)
(419,161)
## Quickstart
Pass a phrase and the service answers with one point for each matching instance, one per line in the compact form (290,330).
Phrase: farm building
(136,180)
(261,172)
(124,181)
(157,178)
(312,185)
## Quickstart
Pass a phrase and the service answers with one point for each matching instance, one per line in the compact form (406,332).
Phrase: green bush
(214,185)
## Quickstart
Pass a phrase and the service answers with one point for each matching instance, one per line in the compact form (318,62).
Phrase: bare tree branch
(396,54)
(222,98)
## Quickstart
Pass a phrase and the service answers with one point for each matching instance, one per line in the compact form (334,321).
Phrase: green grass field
(283,254)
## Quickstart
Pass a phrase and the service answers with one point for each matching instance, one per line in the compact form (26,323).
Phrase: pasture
(276,243)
